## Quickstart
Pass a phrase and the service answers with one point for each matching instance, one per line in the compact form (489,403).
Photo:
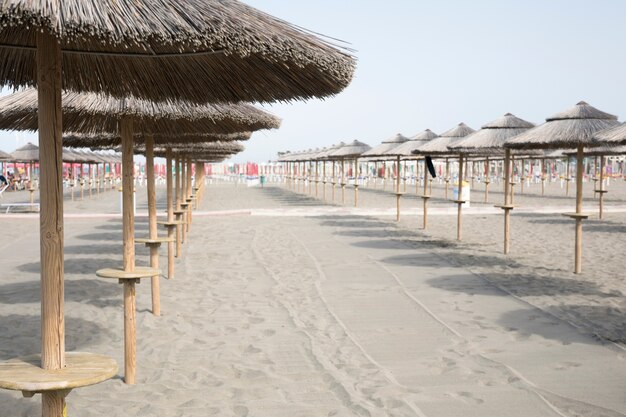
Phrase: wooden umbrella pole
(179,217)
(152,223)
(447,179)
(324,180)
(170,213)
(425,197)
(356,184)
(459,221)
(128,221)
(506,206)
(188,193)
(543,177)
(343,181)
(512,179)
(317,178)
(51,217)
(487,180)
(579,208)
(601,189)
(398,189)
(333,181)
(567,178)
(183,197)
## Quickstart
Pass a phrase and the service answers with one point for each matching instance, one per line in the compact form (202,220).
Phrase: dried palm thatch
(202,51)
(108,140)
(5,156)
(439,146)
(490,139)
(324,154)
(386,145)
(200,147)
(26,153)
(570,128)
(613,136)
(351,150)
(599,151)
(96,113)
(415,142)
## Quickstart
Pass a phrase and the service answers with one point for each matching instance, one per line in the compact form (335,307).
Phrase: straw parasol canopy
(202,51)
(570,128)
(5,156)
(490,139)
(325,154)
(26,153)
(109,140)
(613,136)
(353,149)
(385,146)
(574,127)
(415,142)
(439,146)
(205,147)
(96,113)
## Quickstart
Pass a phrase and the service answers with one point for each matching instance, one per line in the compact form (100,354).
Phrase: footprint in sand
(256,320)
(563,366)
(241,411)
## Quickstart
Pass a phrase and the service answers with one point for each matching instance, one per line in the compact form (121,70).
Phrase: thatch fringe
(612,136)
(568,129)
(439,146)
(406,149)
(95,113)
(107,140)
(490,139)
(385,146)
(199,50)
(351,150)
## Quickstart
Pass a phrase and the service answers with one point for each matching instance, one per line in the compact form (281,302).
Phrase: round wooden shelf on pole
(140,272)
(81,369)
(577,216)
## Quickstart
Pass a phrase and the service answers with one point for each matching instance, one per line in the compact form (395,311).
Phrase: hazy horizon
(432,65)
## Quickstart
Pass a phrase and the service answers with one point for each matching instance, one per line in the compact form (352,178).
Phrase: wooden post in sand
(579,216)
(447,179)
(543,177)
(601,190)
(343,182)
(398,193)
(507,206)
(356,183)
(130,349)
(152,224)
(188,184)
(324,180)
(332,182)
(170,213)
(426,196)
(568,178)
(178,212)
(317,177)
(51,217)
(459,201)
(487,179)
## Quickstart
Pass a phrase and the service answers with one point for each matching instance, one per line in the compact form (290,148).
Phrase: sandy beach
(284,305)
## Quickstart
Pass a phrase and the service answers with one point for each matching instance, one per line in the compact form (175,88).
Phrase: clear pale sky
(432,64)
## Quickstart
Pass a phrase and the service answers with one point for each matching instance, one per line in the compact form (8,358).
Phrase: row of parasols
(156,77)
(579,131)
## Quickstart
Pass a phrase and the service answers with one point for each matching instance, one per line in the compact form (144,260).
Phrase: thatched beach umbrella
(602,152)
(490,140)
(574,127)
(157,51)
(440,147)
(379,153)
(405,150)
(118,116)
(327,156)
(349,151)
